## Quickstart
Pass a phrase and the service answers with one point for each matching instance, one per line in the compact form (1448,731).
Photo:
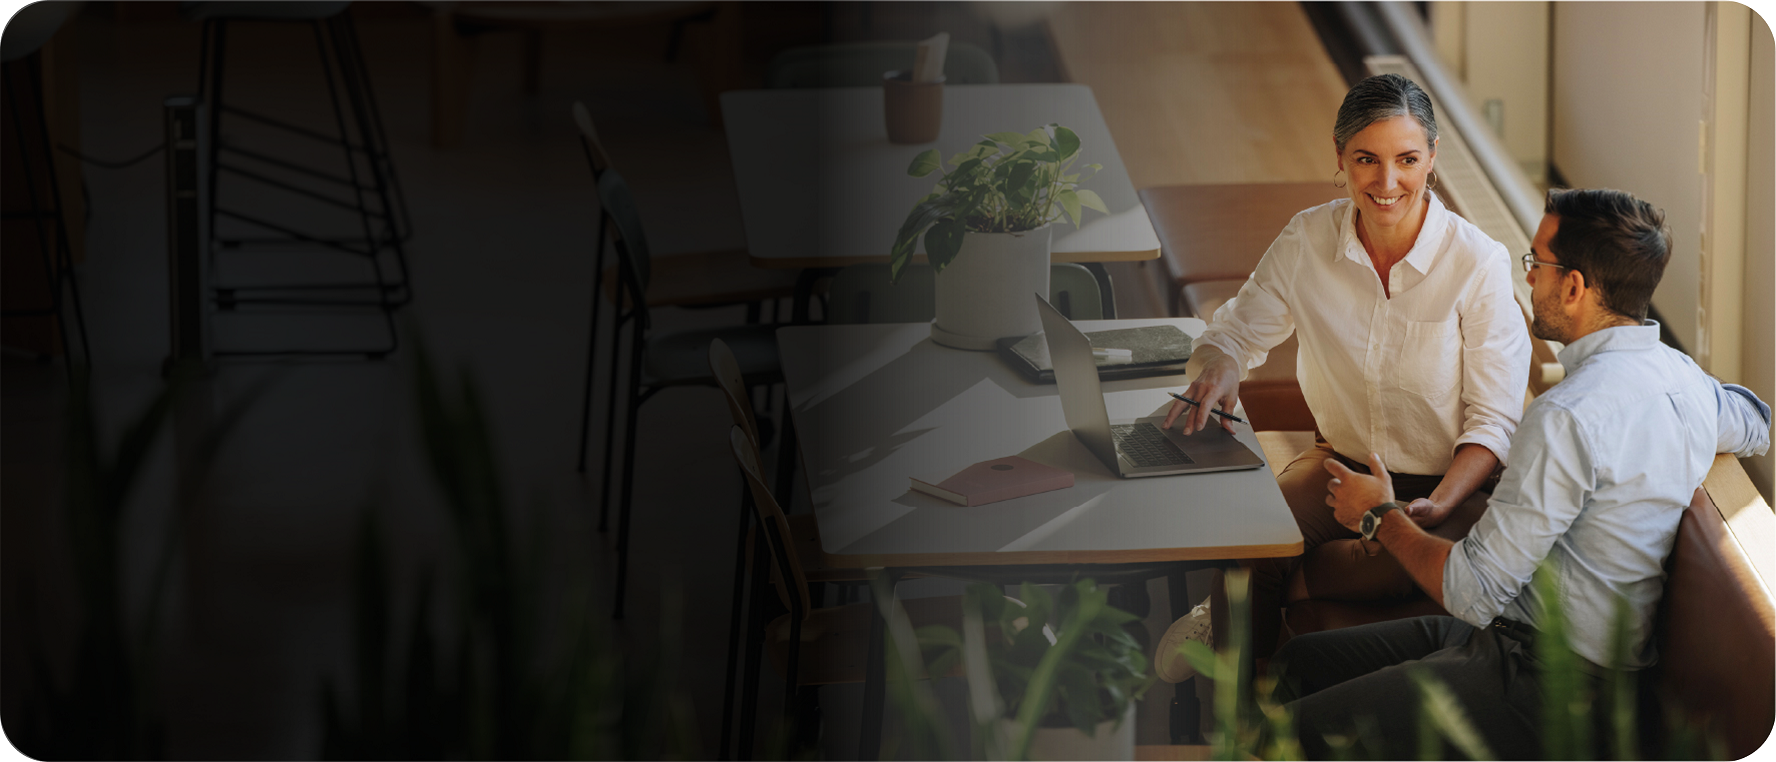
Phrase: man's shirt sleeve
(1744,421)
(1549,479)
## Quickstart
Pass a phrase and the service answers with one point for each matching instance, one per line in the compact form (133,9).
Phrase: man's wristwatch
(1372,519)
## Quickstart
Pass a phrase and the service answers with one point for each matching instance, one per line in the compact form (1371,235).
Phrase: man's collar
(1608,340)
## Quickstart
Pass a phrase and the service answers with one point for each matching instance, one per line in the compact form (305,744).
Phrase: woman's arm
(1472,464)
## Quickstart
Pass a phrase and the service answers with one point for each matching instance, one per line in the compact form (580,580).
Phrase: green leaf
(1201,658)
(1065,142)
(1012,139)
(925,163)
(1038,136)
(1069,200)
(1017,182)
(1090,200)
(943,241)
(1445,712)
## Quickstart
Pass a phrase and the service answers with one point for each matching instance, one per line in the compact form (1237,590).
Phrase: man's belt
(1515,630)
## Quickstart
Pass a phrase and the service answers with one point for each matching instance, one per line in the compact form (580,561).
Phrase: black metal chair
(34,162)
(692,281)
(368,192)
(659,362)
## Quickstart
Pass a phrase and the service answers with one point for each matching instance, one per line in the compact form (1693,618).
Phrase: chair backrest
(1716,631)
(632,250)
(861,64)
(595,153)
(726,371)
(783,560)
(1073,290)
(863,294)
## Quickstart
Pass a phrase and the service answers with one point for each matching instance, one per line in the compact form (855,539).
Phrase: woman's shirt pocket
(1430,359)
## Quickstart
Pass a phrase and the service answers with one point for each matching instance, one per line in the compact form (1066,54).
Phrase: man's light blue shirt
(1601,469)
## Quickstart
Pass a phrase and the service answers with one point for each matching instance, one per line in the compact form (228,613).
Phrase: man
(1598,475)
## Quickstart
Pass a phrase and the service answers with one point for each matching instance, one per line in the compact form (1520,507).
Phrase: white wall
(1758,350)
(1626,109)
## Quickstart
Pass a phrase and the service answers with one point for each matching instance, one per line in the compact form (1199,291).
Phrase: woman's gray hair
(1383,96)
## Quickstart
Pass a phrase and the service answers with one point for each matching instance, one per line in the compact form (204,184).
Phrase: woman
(1412,347)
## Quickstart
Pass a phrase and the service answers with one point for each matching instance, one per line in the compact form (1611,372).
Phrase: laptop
(1131,448)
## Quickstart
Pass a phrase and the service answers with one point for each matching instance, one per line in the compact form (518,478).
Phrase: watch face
(1368,525)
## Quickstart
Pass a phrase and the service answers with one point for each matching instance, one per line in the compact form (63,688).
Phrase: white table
(821,186)
(876,404)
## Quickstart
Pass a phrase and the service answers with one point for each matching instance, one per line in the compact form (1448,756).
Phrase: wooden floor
(1206,92)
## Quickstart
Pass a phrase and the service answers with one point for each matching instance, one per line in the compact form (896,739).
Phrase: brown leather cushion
(1271,394)
(1219,232)
(1717,633)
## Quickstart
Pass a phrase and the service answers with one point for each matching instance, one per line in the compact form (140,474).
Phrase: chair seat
(1281,447)
(708,278)
(680,359)
(835,640)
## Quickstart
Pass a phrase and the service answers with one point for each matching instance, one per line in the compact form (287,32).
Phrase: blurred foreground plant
(520,680)
(108,709)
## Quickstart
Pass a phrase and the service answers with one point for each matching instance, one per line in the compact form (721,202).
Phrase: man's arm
(1353,494)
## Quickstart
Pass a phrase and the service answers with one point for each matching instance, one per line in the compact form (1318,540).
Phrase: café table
(821,187)
(874,405)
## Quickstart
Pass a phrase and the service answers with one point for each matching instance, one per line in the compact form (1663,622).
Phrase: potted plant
(1050,677)
(986,230)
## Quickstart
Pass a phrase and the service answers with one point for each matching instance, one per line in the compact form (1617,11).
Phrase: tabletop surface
(877,404)
(821,186)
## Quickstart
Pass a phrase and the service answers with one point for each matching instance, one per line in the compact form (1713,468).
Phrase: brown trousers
(1336,563)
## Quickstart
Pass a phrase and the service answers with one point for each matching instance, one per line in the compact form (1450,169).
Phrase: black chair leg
(610,418)
(754,648)
(592,347)
(786,460)
(735,623)
(623,507)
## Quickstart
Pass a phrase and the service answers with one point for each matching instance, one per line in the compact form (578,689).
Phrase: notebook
(991,481)
(1160,350)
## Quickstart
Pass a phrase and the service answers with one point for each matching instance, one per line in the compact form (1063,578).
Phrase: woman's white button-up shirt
(1443,362)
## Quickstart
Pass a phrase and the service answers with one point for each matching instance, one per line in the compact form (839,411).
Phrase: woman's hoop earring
(1335,182)
(1431,182)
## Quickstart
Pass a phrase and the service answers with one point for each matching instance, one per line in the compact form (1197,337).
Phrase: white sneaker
(1168,658)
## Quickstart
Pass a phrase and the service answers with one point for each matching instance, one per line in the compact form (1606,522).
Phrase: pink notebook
(994,480)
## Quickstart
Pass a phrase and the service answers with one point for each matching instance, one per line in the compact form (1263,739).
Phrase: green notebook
(1159,350)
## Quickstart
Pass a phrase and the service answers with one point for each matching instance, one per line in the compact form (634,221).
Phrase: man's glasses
(1530,262)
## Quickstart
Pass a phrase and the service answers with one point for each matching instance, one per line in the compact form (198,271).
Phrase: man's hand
(1353,494)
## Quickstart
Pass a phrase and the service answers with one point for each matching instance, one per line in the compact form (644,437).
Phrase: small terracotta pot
(913,110)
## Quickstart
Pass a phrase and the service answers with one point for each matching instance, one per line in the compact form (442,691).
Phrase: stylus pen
(1189,401)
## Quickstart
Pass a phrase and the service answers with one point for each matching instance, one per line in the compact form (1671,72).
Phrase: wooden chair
(810,645)
(694,280)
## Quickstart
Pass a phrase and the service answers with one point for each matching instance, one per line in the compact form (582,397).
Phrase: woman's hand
(1216,386)
(1428,514)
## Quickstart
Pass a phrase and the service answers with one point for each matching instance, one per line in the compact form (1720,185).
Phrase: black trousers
(1357,683)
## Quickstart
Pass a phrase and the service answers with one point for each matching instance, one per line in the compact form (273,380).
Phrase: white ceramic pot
(1111,740)
(984,293)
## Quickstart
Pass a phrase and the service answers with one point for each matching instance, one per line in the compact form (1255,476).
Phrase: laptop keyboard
(1145,446)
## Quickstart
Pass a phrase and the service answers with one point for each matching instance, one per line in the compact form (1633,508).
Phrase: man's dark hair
(1620,243)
